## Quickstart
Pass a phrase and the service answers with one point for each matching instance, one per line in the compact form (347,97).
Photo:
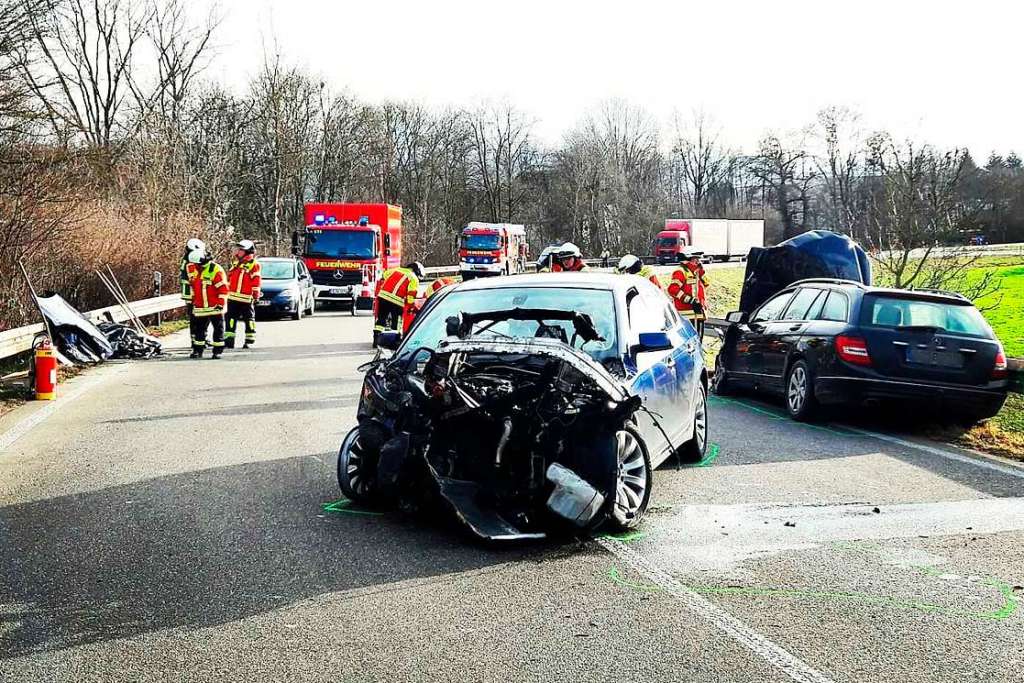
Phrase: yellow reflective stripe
(244,298)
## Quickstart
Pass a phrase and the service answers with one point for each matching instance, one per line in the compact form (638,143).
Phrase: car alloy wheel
(694,450)
(720,380)
(633,489)
(796,393)
(356,468)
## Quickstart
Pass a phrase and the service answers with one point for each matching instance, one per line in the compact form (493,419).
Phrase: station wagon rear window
(897,313)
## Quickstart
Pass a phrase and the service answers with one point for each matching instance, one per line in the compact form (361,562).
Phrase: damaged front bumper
(517,437)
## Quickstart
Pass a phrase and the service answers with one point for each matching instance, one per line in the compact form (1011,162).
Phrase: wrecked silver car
(530,405)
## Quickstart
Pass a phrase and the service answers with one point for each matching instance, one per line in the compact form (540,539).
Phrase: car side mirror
(389,339)
(387,244)
(738,317)
(652,341)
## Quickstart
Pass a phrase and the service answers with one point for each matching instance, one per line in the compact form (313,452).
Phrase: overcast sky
(949,73)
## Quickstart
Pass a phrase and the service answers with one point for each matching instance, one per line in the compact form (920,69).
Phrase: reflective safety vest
(649,273)
(439,284)
(398,286)
(244,280)
(209,288)
(687,290)
(186,288)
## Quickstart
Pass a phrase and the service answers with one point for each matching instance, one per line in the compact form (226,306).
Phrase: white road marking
(978,461)
(26,425)
(775,655)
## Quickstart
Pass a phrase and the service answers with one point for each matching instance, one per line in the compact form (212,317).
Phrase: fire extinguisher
(45,371)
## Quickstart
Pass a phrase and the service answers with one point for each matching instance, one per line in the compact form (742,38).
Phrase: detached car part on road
(530,405)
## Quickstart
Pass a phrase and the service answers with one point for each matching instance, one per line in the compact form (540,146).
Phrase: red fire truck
(492,249)
(346,248)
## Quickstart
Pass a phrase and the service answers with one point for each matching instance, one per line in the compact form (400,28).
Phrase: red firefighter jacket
(209,288)
(687,289)
(244,280)
(439,284)
(398,286)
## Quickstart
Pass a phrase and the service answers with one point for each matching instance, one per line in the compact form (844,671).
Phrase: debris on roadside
(128,342)
(789,524)
(77,339)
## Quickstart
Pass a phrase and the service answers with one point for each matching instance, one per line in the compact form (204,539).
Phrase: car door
(752,340)
(782,336)
(655,380)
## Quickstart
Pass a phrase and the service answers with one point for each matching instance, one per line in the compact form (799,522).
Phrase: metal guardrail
(19,340)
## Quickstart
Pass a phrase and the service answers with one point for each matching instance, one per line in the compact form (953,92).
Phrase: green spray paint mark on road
(344,505)
(626,536)
(712,455)
(1005,611)
(777,416)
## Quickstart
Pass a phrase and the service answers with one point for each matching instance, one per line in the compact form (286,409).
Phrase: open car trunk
(516,436)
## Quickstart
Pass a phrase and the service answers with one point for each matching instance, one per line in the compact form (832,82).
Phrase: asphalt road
(164,520)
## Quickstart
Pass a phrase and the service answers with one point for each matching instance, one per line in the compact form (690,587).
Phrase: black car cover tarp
(75,336)
(814,254)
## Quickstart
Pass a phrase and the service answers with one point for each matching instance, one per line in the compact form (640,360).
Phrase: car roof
(938,296)
(608,281)
(277,258)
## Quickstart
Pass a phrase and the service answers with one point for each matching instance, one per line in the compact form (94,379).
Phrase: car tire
(297,315)
(633,488)
(312,306)
(694,450)
(799,392)
(720,380)
(355,478)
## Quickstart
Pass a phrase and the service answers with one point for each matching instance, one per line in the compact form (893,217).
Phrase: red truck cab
(347,247)
(671,243)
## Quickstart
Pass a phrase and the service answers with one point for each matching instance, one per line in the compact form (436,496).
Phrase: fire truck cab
(347,247)
(492,249)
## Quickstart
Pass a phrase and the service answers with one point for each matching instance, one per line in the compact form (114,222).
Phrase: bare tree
(701,167)
(840,167)
(788,173)
(82,78)
(919,216)
(502,153)
(181,51)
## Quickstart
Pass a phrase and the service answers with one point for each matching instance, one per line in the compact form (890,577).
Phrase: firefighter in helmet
(209,285)
(244,282)
(439,284)
(688,290)
(395,300)
(566,259)
(632,265)
(191,245)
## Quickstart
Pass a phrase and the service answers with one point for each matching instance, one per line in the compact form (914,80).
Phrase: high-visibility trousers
(389,317)
(198,325)
(244,312)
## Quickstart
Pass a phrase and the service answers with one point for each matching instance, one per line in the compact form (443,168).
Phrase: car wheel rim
(354,464)
(719,373)
(700,422)
(797,393)
(632,480)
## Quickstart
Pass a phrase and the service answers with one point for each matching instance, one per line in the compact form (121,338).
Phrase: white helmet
(195,243)
(629,264)
(197,255)
(248,246)
(568,250)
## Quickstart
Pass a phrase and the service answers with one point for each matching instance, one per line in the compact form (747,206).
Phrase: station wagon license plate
(943,359)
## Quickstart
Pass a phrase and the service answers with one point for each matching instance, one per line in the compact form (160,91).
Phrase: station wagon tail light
(853,350)
(999,371)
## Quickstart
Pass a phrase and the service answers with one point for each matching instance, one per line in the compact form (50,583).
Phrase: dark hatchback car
(840,342)
(287,288)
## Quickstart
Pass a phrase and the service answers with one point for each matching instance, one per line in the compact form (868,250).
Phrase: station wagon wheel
(357,468)
(633,485)
(720,380)
(800,402)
